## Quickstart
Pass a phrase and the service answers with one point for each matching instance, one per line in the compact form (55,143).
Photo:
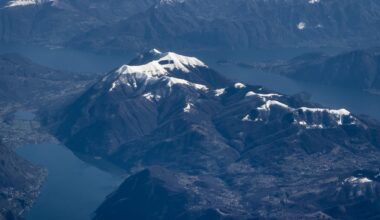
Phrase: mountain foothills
(199,146)
(192,24)
(358,69)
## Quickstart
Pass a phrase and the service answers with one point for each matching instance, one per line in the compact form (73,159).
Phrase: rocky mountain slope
(358,69)
(219,149)
(19,184)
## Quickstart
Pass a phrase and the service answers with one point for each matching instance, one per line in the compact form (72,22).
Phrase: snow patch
(188,107)
(173,81)
(155,51)
(220,92)
(314,1)
(356,180)
(246,118)
(339,113)
(19,3)
(239,86)
(152,97)
(301,25)
(268,104)
(270,95)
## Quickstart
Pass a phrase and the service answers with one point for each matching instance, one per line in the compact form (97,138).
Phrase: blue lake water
(73,189)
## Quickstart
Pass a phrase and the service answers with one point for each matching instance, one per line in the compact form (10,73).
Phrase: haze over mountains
(216,149)
(207,24)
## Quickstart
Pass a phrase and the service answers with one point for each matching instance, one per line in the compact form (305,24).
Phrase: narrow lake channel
(73,189)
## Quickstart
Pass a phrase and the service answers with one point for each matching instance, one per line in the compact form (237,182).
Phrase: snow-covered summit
(157,70)
(164,63)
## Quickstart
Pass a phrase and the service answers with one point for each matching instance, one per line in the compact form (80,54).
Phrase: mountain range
(190,24)
(200,146)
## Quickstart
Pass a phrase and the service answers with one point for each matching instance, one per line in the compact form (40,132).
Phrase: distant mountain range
(192,24)
(199,146)
(358,69)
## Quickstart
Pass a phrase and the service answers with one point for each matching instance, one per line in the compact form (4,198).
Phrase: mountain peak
(156,63)
(155,67)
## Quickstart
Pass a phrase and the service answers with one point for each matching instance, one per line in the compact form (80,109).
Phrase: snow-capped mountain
(229,149)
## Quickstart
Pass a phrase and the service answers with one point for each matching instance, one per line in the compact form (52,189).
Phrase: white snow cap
(167,62)
(358,180)
(159,69)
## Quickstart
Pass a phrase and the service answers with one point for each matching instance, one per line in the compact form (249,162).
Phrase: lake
(73,189)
